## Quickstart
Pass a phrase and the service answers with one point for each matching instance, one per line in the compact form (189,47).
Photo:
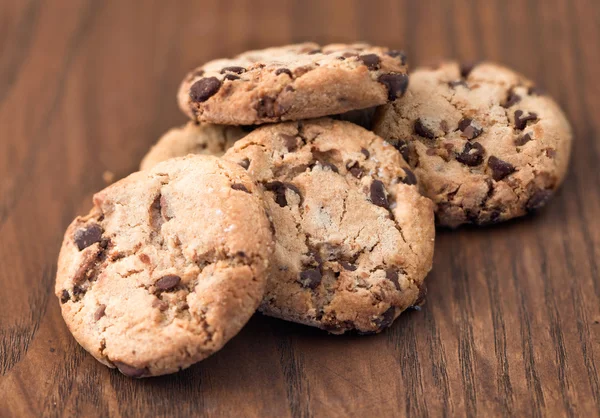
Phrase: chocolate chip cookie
(484,142)
(192,138)
(167,267)
(354,238)
(293,82)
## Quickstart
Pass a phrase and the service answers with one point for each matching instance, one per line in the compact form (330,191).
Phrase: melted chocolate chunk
(370,60)
(99,312)
(395,53)
(421,130)
(168,282)
(245,163)
(396,84)
(538,199)
(233,69)
(500,169)
(355,169)
(386,318)
(472,154)
(240,187)
(231,77)
(130,371)
(469,131)
(64,296)
(457,83)
(467,68)
(378,196)
(523,139)
(87,236)
(284,71)
(310,278)
(409,177)
(278,188)
(521,121)
(365,152)
(511,100)
(204,89)
(348,266)
(402,146)
(392,275)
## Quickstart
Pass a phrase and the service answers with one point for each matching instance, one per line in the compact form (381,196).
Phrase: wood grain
(512,322)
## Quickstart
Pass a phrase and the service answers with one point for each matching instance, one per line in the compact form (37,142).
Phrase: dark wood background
(512,321)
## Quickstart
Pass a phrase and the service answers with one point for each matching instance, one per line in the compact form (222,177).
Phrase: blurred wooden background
(512,322)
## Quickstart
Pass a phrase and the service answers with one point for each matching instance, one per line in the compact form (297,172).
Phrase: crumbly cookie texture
(293,82)
(354,238)
(485,144)
(167,267)
(192,138)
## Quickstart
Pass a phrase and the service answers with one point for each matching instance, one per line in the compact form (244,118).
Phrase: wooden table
(512,320)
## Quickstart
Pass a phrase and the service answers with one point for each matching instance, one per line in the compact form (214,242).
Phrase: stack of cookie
(255,204)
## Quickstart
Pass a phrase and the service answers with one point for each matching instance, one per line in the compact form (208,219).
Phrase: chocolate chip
(300,71)
(538,199)
(328,165)
(469,131)
(233,69)
(245,163)
(279,188)
(472,154)
(314,51)
(370,60)
(355,170)
(521,121)
(550,152)
(396,84)
(290,141)
(283,71)
(409,177)
(395,53)
(99,312)
(466,68)
(64,296)
(511,100)
(239,186)
(500,168)
(87,236)
(392,275)
(198,73)
(386,318)
(231,77)
(168,282)
(457,83)
(378,196)
(144,258)
(444,126)
(421,130)
(348,266)
(402,146)
(523,139)
(130,371)
(204,88)
(79,290)
(310,278)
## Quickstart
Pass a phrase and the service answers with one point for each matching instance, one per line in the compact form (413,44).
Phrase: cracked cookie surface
(192,138)
(167,267)
(353,237)
(293,82)
(485,144)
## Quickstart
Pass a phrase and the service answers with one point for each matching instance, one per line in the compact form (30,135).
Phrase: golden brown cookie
(354,238)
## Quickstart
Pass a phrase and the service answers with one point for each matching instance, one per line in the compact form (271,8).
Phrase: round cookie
(353,236)
(293,82)
(167,267)
(192,138)
(485,144)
